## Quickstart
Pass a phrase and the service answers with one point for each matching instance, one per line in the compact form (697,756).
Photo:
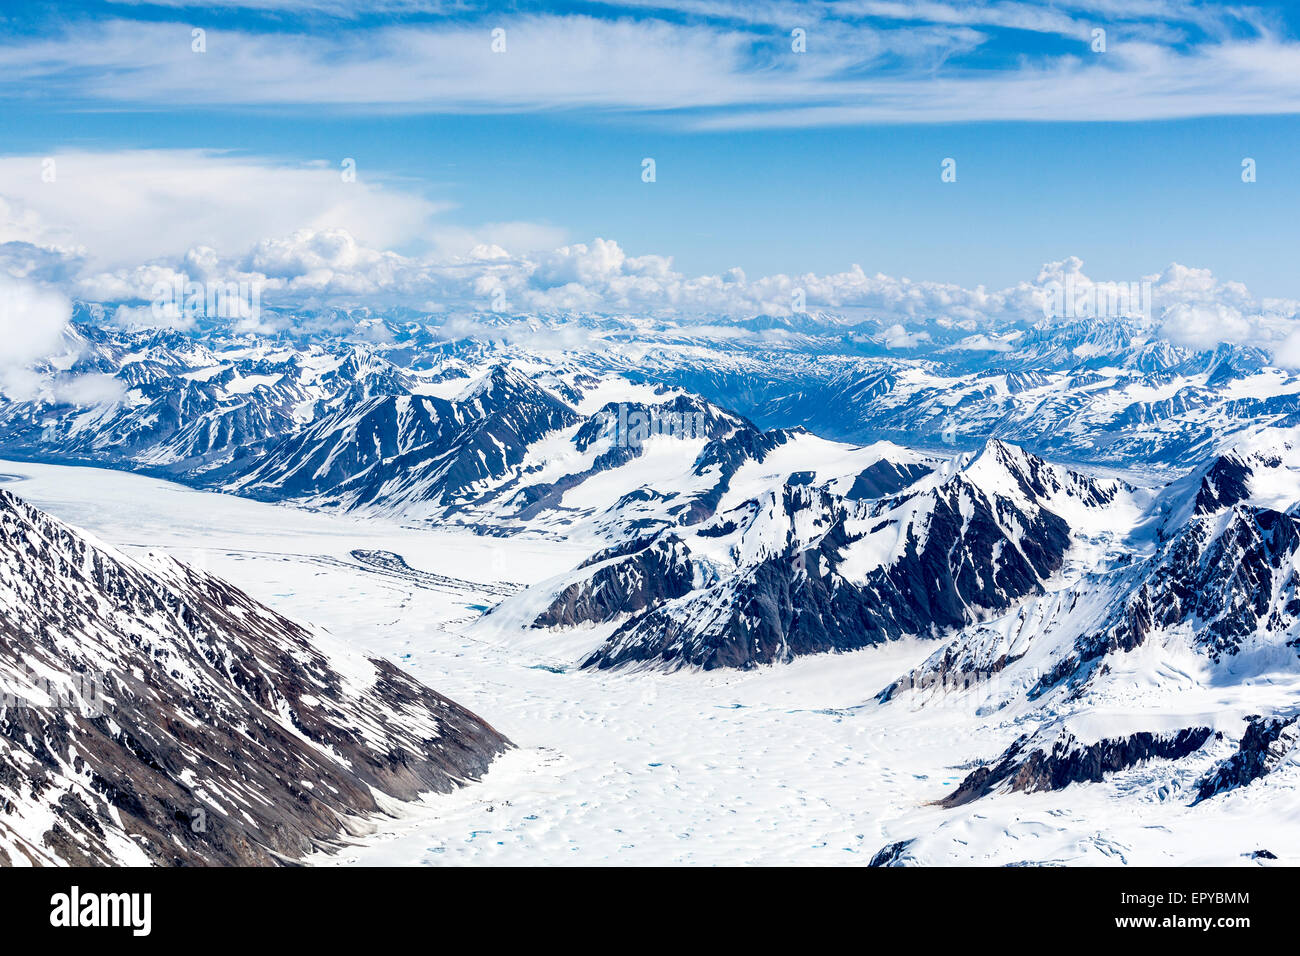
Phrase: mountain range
(1072,515)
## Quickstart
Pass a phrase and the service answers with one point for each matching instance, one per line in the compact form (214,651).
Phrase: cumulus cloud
(1198,311)
(214,221)
(36,352)
(91,388)
(1286,352)
(32,322)
(898,337)
(127,207)
(332,268)
(1190,307)
(117,227)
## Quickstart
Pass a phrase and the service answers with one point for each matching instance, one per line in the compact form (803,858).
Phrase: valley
(788,642)
(793,763)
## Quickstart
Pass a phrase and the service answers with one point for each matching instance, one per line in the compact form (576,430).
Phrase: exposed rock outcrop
(155,714)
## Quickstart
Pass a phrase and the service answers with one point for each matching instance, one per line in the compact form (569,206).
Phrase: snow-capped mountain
(1175,650)
(392,450)
(804,567)
(1092,392)
(209,407)
(1093,536)
(155,714)
(1211,561)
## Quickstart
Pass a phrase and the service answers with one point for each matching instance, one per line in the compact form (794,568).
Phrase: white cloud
(981,343)
(898,337)
(92,388)
(1198,311)
(715,65)
(301,238)
(1201,325)
(332,268)
(549,61)
(122,220)
(163,316)
(32,322)
(1287,352)
(127,207)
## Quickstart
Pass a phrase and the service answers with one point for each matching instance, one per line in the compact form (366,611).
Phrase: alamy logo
(634,425)
(75,909)
(1087,300)
(213,300)
(82,692)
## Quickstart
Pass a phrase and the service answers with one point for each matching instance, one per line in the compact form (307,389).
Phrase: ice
(788,764)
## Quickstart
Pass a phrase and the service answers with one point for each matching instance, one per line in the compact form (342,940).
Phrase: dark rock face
(1265,743)
(631,424)
(1221,576)
(349,442)
(654,574)
(391,449)
(157,714)
(1024,767)
(953,668)
(1222,571)
(628,425)
(973,553)
(723,457)
(885,478)
(893,854)
(772,614)
(1223,485)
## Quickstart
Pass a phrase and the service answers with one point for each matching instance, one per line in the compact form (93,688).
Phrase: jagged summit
(808,565)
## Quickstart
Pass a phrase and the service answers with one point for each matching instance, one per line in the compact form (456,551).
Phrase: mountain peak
(1003,467)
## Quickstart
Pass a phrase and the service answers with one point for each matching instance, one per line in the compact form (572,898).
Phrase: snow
(789,764)
(613,389)
(449,389)
(244,384)
(664,462)
(829,462)
(884,537)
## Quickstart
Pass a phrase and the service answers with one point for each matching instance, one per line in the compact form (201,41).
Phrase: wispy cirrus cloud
(706,63)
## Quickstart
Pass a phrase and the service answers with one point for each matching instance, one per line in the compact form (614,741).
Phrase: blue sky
(767,160)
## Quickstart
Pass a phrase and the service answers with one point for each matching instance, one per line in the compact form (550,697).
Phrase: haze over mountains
(1093,390)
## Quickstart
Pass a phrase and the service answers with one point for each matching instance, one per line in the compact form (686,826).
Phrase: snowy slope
(788,566)
(1059,637)
(208,407)
(1182,652)
(784,764)
(155,714)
